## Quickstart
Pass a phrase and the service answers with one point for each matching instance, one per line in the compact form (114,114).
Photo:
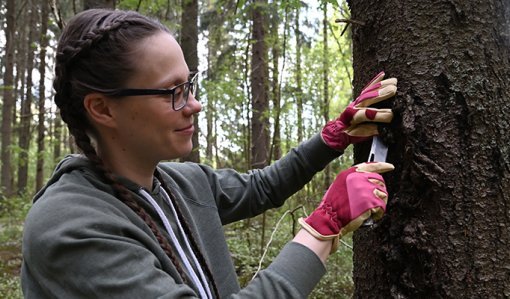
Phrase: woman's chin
(181,153)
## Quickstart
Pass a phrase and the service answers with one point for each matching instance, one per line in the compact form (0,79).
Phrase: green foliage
(12,213)
(244,240)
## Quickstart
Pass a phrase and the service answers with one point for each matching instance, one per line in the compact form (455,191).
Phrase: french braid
(189,234)
(94,50)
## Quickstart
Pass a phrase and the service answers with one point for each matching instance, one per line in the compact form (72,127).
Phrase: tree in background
(447,230)
(189,42)
(41,124)
(259,86)
(25,117)
(8,100)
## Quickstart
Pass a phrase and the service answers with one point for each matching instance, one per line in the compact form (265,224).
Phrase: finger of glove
(376,213)
(384,115)
(382,195)
(355,223)
(374,81)
(375,96)
(362,130)
(376,167)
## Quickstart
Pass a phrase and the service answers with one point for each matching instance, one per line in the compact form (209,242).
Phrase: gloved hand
(356,123)
(355,195)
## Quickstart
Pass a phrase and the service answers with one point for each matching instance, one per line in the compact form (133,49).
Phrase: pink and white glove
(356,123)
(357,194)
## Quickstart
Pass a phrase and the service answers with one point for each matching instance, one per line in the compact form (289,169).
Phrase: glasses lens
(181,94)
(180,97)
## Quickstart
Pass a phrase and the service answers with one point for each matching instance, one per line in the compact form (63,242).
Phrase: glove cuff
(310,229)
(334,136)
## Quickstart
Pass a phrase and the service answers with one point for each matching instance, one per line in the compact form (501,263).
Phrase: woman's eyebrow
(176,80)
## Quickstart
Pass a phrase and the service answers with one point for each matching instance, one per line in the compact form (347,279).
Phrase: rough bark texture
(447,230)
(259,86)
(41,125)
(8,100)
(26,104)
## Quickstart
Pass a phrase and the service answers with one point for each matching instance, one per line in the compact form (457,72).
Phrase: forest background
(306,79)
(272,74)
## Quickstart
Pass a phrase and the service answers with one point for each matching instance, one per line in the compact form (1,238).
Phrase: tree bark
(259,86)
(325,80)
(8,100)
(276,51)
(447,229)
(189,43)
(26,104)
(41,127)
(299,75)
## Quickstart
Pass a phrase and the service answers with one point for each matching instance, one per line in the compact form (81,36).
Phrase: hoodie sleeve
(239,196)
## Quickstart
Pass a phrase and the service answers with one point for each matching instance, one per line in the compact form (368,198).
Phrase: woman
(116,222)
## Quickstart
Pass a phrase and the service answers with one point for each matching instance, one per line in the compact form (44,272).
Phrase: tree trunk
(189,42)
(8,100)
(41,127)
(260,95)
(26,105)
(276,51)
(259,86)
(325,80)
(447,229)
(299,85)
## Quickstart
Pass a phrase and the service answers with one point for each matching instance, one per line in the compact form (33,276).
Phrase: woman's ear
(98,108)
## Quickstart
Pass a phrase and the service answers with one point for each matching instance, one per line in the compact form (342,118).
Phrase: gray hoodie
(80,241)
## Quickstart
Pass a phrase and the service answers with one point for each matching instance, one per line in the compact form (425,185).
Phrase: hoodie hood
(77,162)
(66,165)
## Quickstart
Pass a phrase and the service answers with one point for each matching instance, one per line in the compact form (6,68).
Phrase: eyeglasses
(179,93)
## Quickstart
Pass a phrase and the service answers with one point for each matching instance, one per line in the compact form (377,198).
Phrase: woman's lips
(189,129)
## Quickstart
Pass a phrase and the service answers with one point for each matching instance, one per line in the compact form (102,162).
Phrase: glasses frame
(190,85)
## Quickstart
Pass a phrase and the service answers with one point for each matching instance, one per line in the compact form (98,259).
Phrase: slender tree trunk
(26,105)
(325,80)
(8,100)
(447,229)
(260,94)
(259,86)
(189,43)
(276,51)
(41,128)
(299,84)
(210,108)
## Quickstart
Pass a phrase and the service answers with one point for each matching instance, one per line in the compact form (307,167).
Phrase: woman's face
(149,128)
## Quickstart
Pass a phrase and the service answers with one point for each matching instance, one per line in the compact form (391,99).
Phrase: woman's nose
(193,106)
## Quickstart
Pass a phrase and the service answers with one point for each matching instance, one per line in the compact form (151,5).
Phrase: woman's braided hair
(97,49)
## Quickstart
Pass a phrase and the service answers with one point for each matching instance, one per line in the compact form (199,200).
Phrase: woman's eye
(179,90)
(167,97)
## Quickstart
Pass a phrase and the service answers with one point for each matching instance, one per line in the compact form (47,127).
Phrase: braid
(124,195)
(80,47)
(189,233)
(96,49)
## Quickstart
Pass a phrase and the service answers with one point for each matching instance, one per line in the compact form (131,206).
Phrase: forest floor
(11,231)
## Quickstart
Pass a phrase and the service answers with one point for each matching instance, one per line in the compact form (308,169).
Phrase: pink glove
(356,194)
(355,124)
